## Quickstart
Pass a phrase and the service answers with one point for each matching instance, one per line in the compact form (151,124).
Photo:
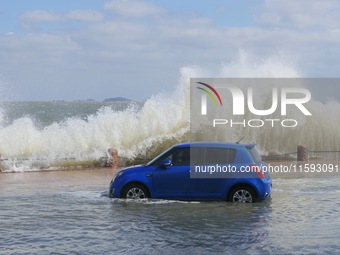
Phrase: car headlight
(116,176)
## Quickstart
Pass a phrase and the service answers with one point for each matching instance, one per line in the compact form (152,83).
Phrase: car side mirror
(165,163)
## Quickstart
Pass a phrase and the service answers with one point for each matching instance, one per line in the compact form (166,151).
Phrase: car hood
(134,168)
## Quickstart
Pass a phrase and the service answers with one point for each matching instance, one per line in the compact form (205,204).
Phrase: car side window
(178,157)
(198,156)
(181,157)
(219,156)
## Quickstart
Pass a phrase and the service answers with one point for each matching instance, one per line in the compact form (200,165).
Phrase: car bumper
(111,192)
(266,190)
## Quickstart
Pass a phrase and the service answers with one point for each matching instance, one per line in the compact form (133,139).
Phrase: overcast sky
(81,49)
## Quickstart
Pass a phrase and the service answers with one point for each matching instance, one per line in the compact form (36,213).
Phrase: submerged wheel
(242,194)
(135,191)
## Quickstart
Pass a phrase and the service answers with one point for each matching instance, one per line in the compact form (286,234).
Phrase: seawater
(83,131)
(70,213)
(46,113)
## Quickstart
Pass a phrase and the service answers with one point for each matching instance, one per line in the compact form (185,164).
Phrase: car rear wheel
(242,194)
(135,191)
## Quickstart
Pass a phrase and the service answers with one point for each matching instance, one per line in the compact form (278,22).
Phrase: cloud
(133,8)
(84,15)
(32,20)
(40,16)
(46,16)
(136,43)
(302,14)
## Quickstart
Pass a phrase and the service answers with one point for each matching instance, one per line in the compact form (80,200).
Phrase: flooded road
(68,212)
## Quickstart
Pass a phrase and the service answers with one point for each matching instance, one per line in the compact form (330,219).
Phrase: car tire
(242,194)
(135,191)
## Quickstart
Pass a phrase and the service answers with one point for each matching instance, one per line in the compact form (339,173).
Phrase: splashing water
(160,122)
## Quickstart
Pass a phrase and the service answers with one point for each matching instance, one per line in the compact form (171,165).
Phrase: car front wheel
(242,194)
(135,191)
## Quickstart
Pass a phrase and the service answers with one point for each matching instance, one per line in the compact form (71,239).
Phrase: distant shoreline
(89,100)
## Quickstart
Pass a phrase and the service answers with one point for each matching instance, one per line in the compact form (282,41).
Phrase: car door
(215,187)
(174,181)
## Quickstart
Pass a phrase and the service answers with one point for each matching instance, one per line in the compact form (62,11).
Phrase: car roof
(214,144)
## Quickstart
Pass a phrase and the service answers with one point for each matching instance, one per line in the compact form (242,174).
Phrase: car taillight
(257,170)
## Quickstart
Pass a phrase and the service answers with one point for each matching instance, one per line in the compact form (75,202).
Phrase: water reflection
(207,226)
(301,218)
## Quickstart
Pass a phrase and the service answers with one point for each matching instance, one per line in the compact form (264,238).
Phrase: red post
(113,158)
(1,165)
(302,153)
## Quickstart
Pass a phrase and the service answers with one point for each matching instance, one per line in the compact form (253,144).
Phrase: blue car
(197,171)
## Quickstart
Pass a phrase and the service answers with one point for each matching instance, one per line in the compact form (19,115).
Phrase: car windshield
(158,157)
